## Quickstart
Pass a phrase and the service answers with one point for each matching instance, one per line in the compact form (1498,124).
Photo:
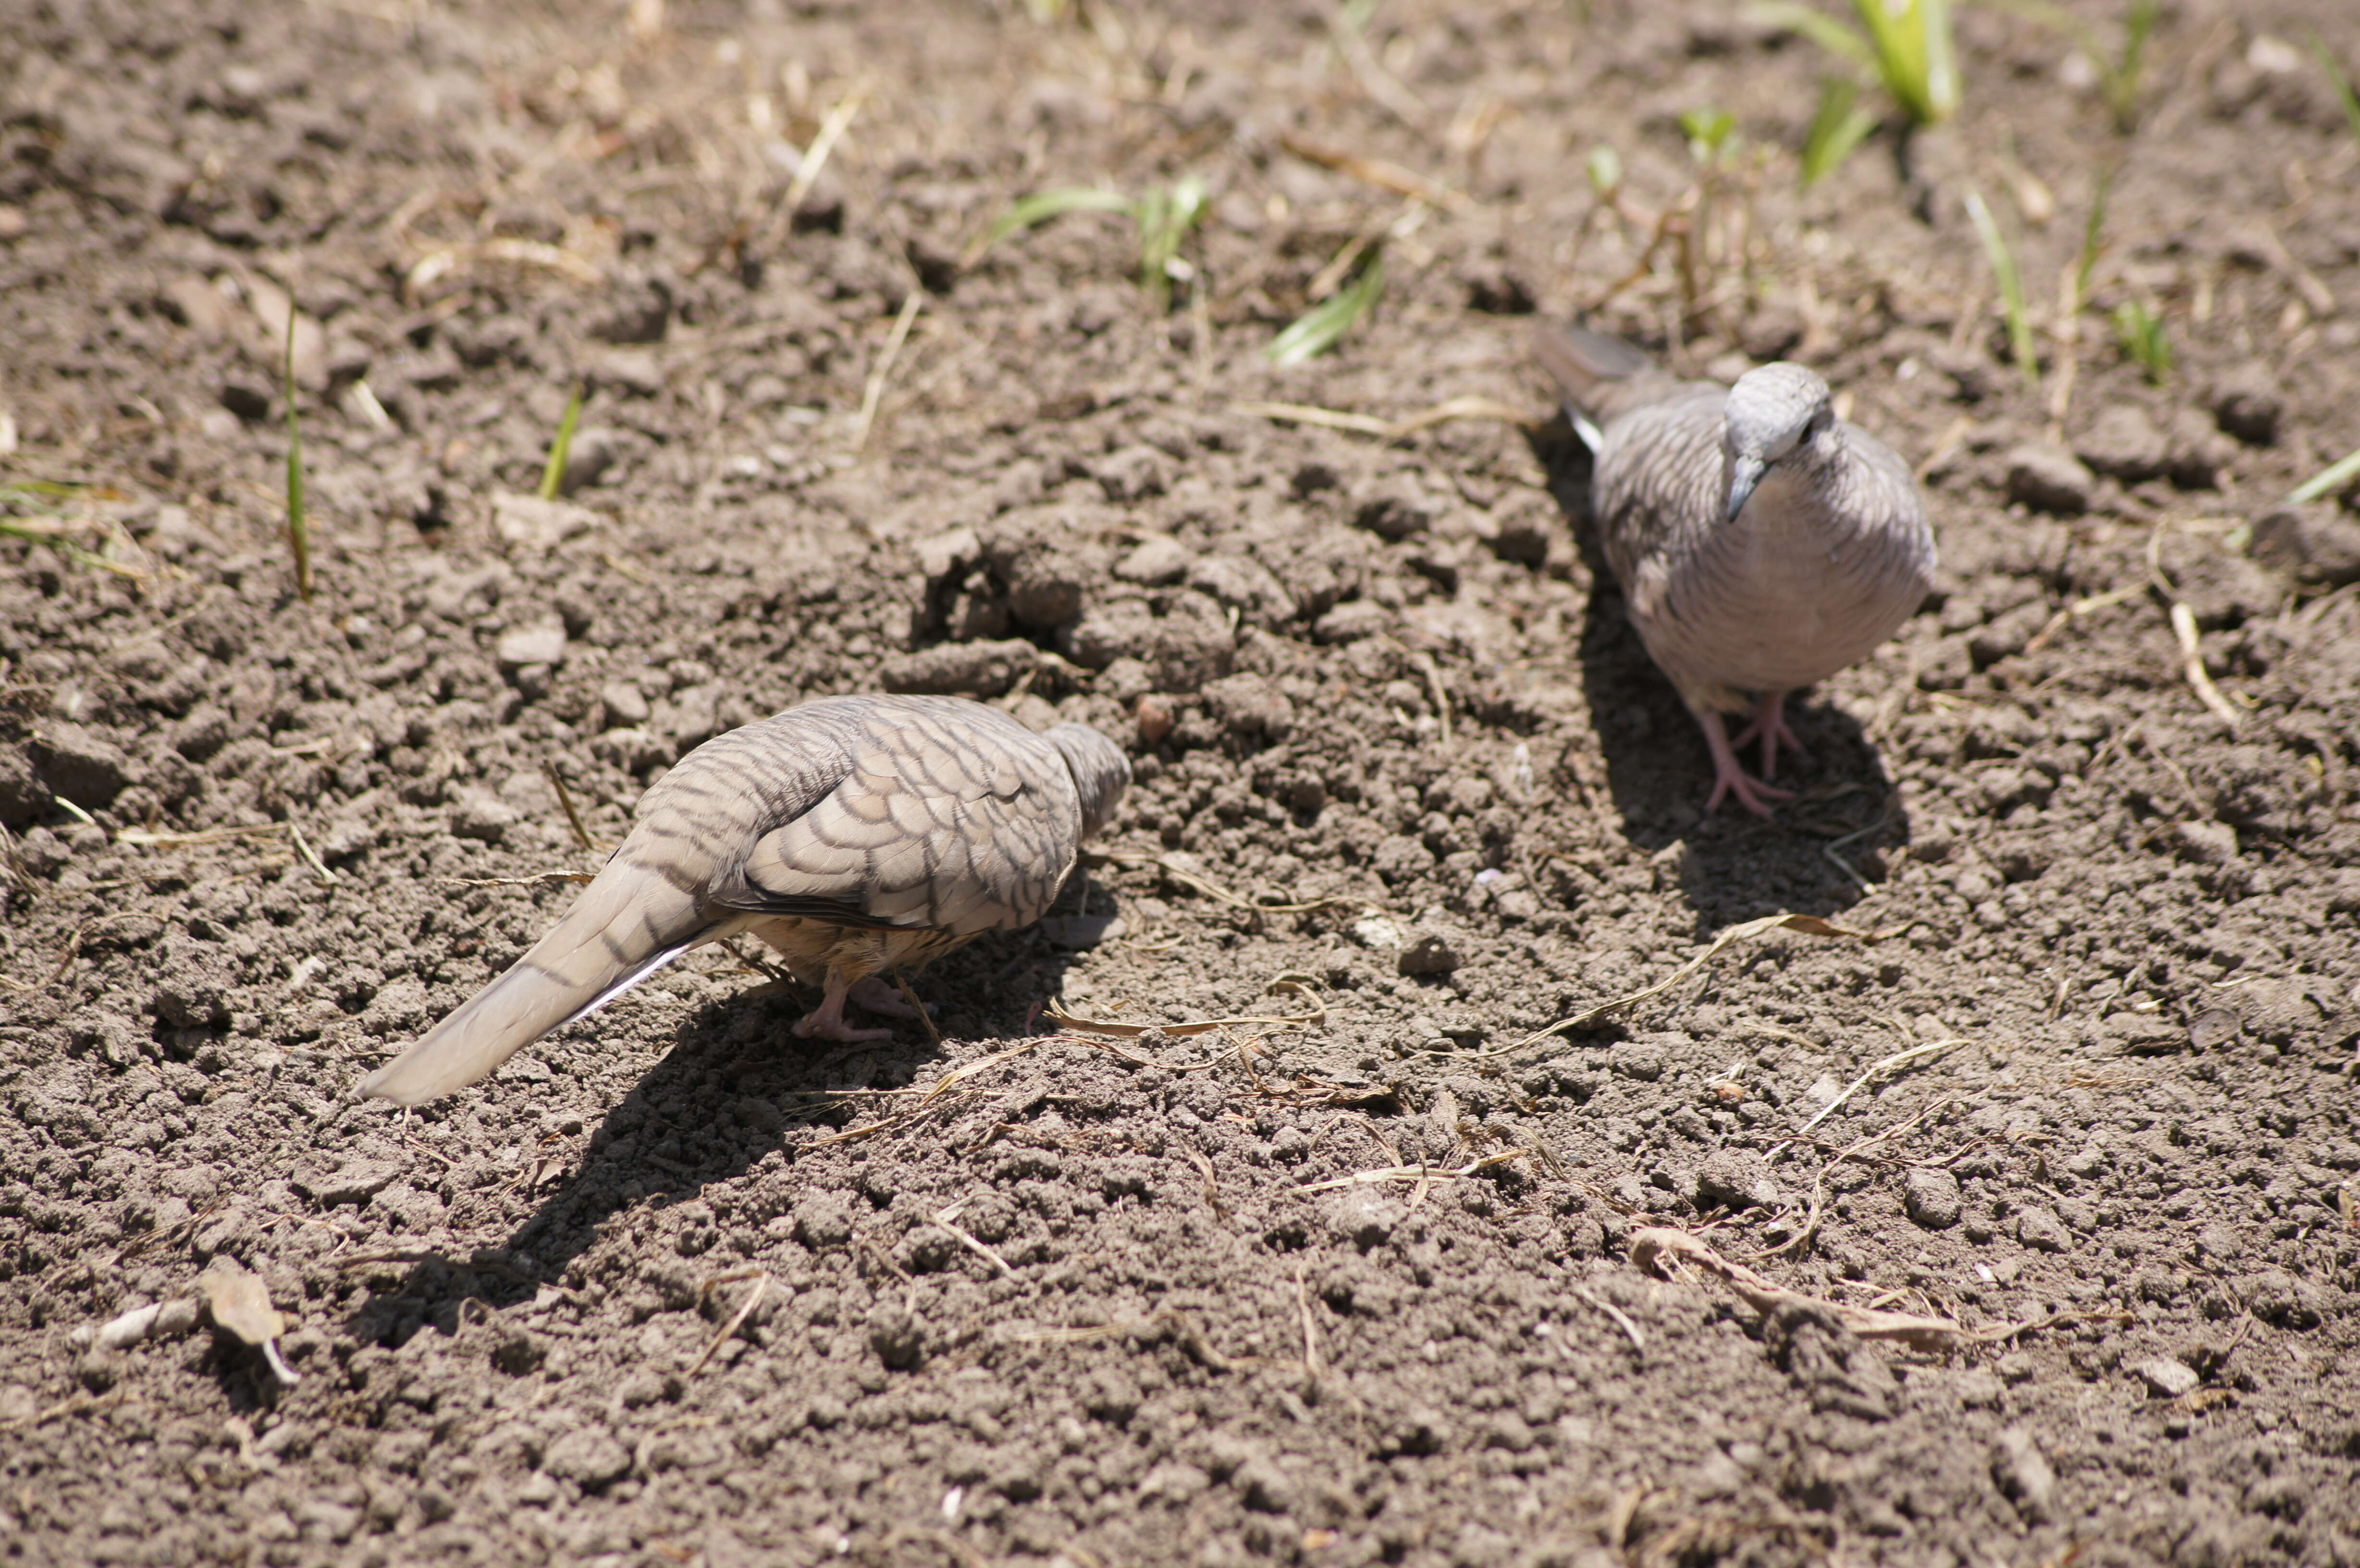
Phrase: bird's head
(1102,772)
(1775,414)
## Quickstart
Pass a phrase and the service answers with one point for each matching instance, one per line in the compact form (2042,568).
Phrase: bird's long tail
(628,923)
(1601,377)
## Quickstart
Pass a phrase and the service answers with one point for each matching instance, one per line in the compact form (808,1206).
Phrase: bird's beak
(1744,474)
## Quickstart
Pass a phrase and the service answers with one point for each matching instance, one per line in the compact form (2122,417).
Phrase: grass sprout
(2011,286)
(2120,72)
(1164,218)
(31,509)
(2093,241)
(1914,55)
(1043,205)
(553,475)
(2140,332)
(34,533)
(1708,131)
(2328,480)
(1164,215)
(2342,85)
(1311,333)
(299,528)
(2119,83)
(1841,123)
(60,490)
(1604,167)
(1907,43)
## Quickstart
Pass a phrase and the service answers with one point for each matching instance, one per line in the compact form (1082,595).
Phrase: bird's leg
(827,1020)
(880,999)
(1770,724)
(1729,778)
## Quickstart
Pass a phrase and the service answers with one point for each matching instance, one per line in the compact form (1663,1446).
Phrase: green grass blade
(1166,215)
(64,547)
(1604,167)
(1944,88)
(553,474)
(1913,55)
(1708,131)
(2328,480)
(1841,123)
(56,489)
(299,531)
(1312,332)
(2342,83)
(1043,205)
(2093,242)
(2140,333)
(2011,287)
(2121,83)
(1817,26)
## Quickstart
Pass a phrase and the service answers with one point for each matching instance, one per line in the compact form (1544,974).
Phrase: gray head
(1101,773)
(1777,413)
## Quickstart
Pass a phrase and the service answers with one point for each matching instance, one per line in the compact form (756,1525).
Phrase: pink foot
(880,999)
(1729,778)
(1770,724)
(827,1020)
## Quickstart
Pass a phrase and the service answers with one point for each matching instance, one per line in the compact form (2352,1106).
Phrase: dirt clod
(1931,1198)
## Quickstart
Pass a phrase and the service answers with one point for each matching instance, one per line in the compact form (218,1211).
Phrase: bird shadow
(1821,851)
(727,1095)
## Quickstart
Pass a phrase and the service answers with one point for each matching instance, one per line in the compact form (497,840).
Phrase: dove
(856,835)
(1762,543)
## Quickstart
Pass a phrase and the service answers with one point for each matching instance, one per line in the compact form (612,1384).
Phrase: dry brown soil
(675,1288)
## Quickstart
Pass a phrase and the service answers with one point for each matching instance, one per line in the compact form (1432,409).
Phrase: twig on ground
(144,839)
(1802,1239)
(1311,1363)
(537,879)
(1211,889)
(1622,1318)
(1186,1329)
(78,1405)
(2191,653)
(303,848)
(1112,1049)
(1427,666)
(1899,1059)
(814,157)
(89,929)
(1419,1174)
(934,1091)
(1372,171)
(1212,1187)
(1996,1332)
(947,1218)
(874,393)
(1809,924)
(1327,419)
(1653,1247)
(565,803)
(1063,1019)
(762,1283)
(925,1018)
(1470,407)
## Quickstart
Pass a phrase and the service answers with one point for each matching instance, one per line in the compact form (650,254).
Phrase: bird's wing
(952,816)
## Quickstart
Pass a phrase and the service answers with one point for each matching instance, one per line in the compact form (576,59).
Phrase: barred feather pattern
(854,834)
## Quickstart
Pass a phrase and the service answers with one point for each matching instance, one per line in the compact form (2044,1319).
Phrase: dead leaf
(240,1303)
